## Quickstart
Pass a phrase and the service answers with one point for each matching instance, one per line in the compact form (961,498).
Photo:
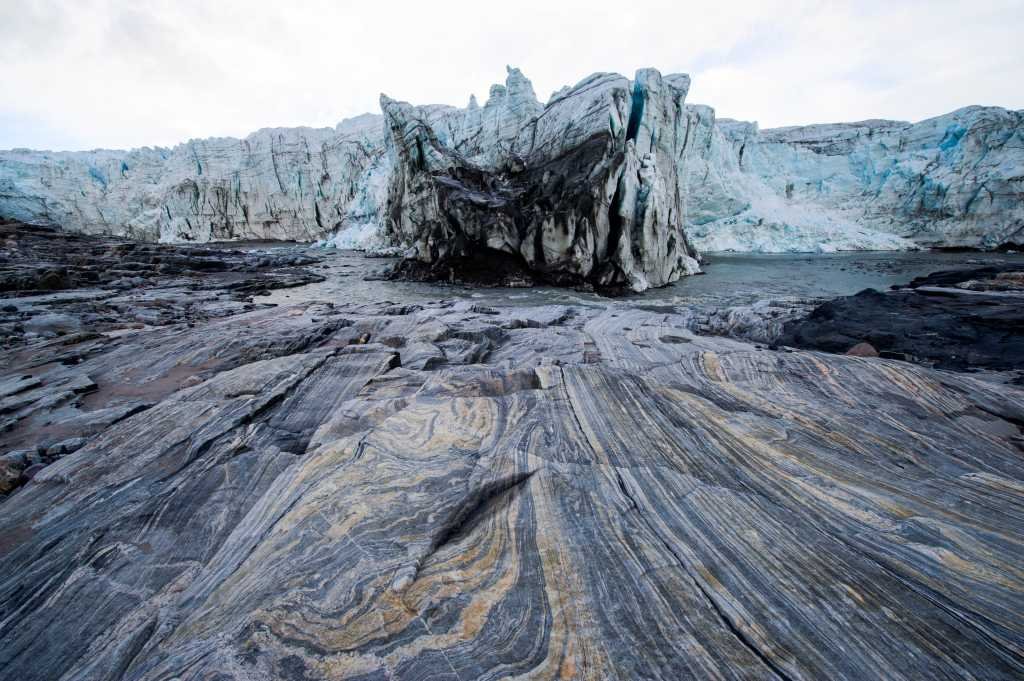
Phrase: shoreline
(218,473)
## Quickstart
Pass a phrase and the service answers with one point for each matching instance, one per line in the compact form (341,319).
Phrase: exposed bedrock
(589,190)
(598,495)
(449,490)
(962,319)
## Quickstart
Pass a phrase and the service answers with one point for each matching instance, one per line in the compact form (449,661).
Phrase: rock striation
(588,189)
(452,490)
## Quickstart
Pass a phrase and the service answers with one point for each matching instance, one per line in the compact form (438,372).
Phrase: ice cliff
(588,189)
(284,183)
(954,180)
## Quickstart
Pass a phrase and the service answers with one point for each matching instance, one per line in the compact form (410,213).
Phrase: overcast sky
(80,74)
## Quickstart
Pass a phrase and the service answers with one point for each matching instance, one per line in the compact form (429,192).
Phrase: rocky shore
(74,314)
(964,319)
(202,484)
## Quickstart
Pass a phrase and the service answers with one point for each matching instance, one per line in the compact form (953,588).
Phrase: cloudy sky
(105,73)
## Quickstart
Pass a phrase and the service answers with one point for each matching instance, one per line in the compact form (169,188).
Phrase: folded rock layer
(208,487)
(548,493)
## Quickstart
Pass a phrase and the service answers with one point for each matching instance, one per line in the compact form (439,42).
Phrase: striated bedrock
(587,189)
(198,485)
(451,491)
(286,183)
(953,180)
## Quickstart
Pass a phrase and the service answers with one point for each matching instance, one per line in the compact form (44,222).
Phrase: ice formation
(284,183)
(588,189)
(954,180)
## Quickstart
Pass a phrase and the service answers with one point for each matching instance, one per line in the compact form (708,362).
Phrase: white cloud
(107,73)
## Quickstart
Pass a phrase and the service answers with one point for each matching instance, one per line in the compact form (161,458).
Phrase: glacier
(585,190)
(956,180)
(284,183)
(952,181)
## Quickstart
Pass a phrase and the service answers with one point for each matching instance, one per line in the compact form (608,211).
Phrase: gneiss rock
(590,190)
(74,362)
(598,494)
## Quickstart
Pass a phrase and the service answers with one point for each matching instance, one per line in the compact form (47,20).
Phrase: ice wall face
(954,180)
(587,189)
(288,183)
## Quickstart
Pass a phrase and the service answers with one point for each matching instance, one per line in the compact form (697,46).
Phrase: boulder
(33,470)
(862,350)
(12,465)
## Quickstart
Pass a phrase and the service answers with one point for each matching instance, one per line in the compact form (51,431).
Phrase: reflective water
(729,279)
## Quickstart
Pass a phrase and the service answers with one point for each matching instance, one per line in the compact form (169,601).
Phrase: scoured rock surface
(451,490)
(60,284)
(105,342)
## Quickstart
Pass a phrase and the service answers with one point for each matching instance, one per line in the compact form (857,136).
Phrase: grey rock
(666,501)
(33,470)
(11,466)
(16,384)
(65,447)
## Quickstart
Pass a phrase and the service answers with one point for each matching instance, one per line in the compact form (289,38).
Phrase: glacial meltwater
(728,279)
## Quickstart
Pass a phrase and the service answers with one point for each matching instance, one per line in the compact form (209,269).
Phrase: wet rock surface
(55,283)
(456,489)
(958,319)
